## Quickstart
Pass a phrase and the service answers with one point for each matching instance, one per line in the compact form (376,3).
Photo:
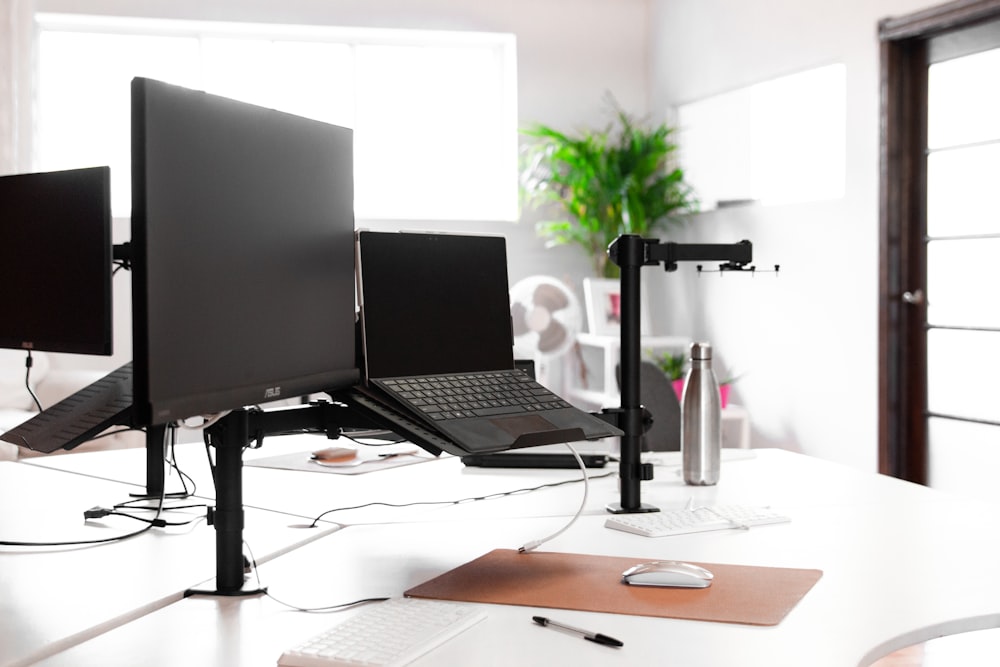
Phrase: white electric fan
(546,317)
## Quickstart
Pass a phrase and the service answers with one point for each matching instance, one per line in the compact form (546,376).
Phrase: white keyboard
(388,634)
(694,520)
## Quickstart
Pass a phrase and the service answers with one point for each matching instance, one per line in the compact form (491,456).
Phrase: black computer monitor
(55,261)
(243,267)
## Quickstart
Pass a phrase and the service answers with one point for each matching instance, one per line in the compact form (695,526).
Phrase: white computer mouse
(668,573)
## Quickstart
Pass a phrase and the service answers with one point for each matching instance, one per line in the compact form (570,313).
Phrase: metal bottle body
(701,420)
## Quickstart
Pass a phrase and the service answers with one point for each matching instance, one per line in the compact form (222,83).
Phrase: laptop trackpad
(519,424)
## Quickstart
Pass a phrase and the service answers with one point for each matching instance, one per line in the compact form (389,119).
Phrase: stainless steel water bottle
(701,420)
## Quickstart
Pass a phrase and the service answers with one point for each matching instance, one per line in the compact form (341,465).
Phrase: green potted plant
(608,182)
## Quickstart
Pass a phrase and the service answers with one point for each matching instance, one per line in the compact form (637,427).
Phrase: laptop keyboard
(443,397)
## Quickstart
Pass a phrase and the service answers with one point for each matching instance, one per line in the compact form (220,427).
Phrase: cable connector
(530,546)
(96,512)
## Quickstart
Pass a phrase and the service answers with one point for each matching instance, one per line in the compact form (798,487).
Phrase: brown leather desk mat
(738,594)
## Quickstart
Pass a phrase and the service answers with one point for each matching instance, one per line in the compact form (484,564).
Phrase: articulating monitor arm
(632,252)
(229,436)
(735,256)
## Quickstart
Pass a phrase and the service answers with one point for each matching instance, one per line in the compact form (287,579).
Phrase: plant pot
(723,392)
(678,388)
(724,395)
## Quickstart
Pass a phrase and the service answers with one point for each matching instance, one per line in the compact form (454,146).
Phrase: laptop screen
(433,303)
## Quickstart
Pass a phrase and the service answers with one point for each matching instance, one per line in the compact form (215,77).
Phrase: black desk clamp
(632,252)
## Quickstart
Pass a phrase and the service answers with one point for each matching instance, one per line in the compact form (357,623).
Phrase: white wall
(570,53)
(806,340)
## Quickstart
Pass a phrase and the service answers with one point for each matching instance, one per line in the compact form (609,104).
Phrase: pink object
(614,307)
(723,392)
(678,388)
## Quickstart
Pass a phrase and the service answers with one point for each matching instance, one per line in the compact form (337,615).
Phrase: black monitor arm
(230,435)
(631,252)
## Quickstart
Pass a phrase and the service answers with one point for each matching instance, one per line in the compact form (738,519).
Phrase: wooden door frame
(902,384)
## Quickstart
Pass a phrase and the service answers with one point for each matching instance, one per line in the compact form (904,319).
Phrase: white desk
(53,597)
(307,494)
(881,544)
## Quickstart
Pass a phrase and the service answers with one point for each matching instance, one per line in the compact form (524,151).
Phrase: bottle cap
(700,351)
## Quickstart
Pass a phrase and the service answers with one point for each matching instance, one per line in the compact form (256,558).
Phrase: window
(434,113)
(777,142)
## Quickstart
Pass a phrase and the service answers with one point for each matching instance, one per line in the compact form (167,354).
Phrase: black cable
(96,513)
(252,560)
(208,454)
(134,505)
(117,538)
(172,462)
(330,608)
(170,459)
(154,522)
(28,363)
(491,496)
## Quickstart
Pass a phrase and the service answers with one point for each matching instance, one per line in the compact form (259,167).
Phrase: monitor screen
(243,266)
(55,261)
(433,303)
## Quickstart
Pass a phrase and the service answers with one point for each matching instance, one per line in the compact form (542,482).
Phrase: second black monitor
(55,261)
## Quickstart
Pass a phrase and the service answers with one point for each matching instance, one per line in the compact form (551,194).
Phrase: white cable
(534,544)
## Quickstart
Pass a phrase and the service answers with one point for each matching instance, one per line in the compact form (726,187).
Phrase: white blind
(434,113)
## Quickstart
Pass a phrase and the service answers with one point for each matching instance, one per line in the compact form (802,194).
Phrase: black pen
(595,637)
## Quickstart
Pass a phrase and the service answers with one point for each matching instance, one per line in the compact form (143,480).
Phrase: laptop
(435,312)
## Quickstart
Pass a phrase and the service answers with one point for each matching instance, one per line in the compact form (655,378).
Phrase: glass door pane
(963,104)
(960,275)
(961,368)
(963,244)
(964,458)
(962,196)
